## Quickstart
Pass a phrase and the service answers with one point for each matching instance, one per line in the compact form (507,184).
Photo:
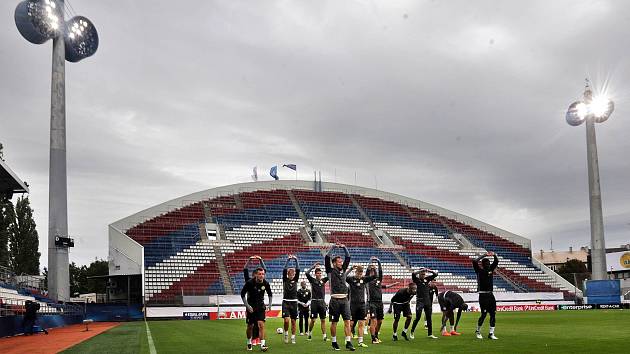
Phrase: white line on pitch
(150,339)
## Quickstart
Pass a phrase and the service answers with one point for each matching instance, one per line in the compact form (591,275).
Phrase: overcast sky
(458,103)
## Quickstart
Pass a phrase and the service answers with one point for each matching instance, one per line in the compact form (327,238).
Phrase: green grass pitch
(593,331)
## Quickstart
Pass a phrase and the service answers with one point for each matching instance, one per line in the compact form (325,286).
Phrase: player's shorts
(405,309)
(376,310)
(257,315)
(290,309)
(358,312)
(318,309)
(445,304)
(339,308)
(487,302)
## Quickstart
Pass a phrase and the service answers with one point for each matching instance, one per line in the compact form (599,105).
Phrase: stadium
(463,105)
(190,249)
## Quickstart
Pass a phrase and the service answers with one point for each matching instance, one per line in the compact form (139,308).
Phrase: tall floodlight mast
(73,40)
(593,109)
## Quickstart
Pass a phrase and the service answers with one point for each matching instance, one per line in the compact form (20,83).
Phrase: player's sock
(293,337)
(405,330)
(491,330)
(262,342)
(478,328)
(348,339)
(361,339)
(249,341)
(334,339)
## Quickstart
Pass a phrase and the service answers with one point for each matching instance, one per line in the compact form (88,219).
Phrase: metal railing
(14,307)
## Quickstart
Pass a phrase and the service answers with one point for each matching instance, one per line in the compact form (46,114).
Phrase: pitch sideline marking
(150,339)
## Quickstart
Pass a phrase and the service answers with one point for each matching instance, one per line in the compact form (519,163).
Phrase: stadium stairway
(223,272)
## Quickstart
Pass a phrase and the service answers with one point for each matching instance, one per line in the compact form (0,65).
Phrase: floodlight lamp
(576,114)
(38,20)
(81,39)
(601,107)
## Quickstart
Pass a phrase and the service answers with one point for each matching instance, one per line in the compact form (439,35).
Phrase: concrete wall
(126,256)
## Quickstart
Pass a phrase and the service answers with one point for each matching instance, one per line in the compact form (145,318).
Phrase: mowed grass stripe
(529,332)
(128,338)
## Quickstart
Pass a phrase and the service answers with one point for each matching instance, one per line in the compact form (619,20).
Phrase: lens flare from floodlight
(602,108)
(38,20)
(81,39)
(576,114)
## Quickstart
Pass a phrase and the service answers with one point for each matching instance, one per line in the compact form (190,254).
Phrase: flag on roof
(291,166)
(274,172)
(255,174)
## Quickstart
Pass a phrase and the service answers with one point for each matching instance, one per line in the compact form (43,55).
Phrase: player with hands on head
(253,297)
(247,277)
(424,302)
(318,299)
(337,271)
(485,286)
(290,276)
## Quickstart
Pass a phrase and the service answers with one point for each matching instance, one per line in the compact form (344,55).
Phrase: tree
(79,282)
(97,268)
(23,240)
(6,216)
(571,267)
(1,152)
(78,279)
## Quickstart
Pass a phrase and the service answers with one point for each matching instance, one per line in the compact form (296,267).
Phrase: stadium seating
(178,261)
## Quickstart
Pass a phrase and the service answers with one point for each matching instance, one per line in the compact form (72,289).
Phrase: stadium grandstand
(17,289)
(194,247)
(10,183)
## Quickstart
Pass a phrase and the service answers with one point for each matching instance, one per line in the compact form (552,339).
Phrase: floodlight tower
(38,21)
(590,111)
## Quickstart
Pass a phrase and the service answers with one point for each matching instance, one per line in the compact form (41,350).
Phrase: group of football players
(356,298)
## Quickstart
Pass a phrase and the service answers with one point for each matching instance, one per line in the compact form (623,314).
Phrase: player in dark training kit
(304,301)
(424,301)
(487,302)
(290,278)
(449,301)
(318,299)
(400,303)
(247,277)
(357,285)
(375,299)
(337,271)
(253,296)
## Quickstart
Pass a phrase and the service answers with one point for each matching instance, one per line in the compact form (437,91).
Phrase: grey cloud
(457,104)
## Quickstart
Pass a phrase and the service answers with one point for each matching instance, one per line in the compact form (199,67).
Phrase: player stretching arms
(318,299)
(304,300)
(400,303)
(424,300)
(289,298)
(247,277)
(255,304)
(357,299)
(337,270)
(449,301)
(375,299)
(487,302)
